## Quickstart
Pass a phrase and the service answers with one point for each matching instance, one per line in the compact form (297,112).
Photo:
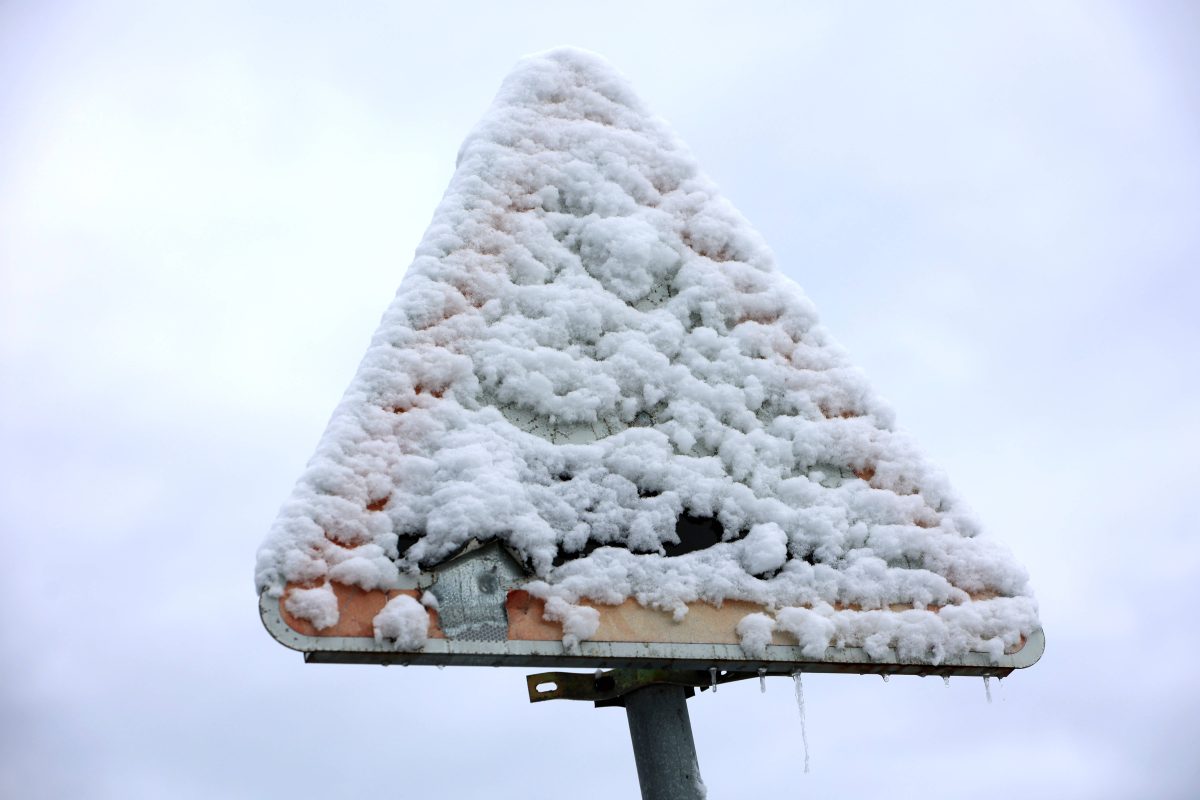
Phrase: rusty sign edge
(781,659)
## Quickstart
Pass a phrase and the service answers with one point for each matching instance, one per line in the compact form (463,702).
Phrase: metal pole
(663,747)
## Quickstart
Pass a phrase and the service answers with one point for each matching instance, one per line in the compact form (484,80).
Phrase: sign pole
(655,701)
(663,746)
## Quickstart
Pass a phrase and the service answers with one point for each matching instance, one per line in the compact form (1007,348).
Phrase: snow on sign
(597,427)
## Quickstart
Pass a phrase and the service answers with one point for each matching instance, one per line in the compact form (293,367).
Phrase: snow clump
(404,621)
(319,606)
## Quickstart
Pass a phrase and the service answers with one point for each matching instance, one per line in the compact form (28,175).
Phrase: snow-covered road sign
(598,427)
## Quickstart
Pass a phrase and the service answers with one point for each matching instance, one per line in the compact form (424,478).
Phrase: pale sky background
(204,210)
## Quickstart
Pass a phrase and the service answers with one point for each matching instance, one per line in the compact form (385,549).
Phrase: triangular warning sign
(597,426)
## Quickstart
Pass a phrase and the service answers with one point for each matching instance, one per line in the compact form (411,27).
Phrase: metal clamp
(608,688)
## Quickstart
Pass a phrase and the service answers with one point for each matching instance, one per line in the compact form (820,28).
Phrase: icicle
(762,680)
(800,704)
(712,674)
(946,678)
(885,677)
(987,687)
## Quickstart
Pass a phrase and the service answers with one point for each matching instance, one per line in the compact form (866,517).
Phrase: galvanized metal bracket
(608,688)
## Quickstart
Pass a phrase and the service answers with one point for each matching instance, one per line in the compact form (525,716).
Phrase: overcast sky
(204,210)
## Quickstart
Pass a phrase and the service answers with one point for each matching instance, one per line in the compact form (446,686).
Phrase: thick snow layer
(592,342)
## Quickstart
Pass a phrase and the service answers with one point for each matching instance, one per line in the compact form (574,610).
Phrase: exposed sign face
(598,427)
